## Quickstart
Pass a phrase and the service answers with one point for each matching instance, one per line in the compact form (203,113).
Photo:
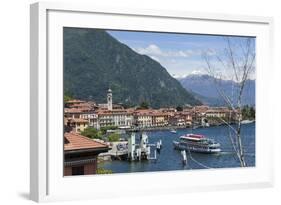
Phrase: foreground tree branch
(237,58)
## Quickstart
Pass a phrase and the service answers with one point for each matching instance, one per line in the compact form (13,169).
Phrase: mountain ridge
(203,87)
(95,61)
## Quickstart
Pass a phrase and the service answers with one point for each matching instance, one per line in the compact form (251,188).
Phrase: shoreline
(175,127)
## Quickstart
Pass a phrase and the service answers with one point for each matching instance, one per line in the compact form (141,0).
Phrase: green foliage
(67,98)
(103,130)
(104,171)
(95,61)
(92,133)
(248,113)
(143,105)
(179,108)
(114,137)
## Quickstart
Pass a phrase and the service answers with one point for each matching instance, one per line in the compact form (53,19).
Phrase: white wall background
(14,101)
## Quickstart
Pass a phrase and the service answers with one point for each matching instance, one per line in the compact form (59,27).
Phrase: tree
(252,113)
(238,57)
(245,112)
(144,105)
(104,171)
(67,97)
(248,113)
(113,137)
(179,108)
(104,129)
(91,133)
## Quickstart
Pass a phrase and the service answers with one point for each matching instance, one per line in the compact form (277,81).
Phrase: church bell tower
(109,99)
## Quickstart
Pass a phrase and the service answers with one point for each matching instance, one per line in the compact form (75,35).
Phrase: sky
(181,54)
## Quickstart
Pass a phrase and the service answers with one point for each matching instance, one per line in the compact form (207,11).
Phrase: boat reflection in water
(197,143)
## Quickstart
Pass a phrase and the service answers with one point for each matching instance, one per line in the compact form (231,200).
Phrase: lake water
(171,159)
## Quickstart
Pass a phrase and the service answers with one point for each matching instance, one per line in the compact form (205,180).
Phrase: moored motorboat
(197,143)
(173,131)
(243,122)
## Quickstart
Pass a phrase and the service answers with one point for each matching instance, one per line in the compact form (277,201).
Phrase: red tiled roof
(78,110)
(81,105)
(74,141)
(72,110)
(75,101)
(217,111)
(112,112)
(78,120)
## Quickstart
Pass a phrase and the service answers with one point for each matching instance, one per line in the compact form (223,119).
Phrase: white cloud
(155,58)
(152,49)
(197,72)
(179,76)
(156,51)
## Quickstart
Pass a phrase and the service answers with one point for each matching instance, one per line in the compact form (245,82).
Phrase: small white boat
(243,122)
(173,131)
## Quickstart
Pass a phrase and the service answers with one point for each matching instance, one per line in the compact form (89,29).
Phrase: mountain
(95,61)
(204,89)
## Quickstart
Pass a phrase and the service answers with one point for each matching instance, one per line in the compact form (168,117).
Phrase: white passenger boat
(197,143)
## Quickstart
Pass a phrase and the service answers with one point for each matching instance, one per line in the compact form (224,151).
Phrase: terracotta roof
(72,110)
(78,120)
(78,110)
(144,112)
(159,113)
(75,101)
(183,113)
(84,105)
(217,111)
(113,112)
(74,141)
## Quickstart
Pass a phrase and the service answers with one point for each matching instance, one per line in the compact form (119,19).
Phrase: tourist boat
(173,131)
(197,143)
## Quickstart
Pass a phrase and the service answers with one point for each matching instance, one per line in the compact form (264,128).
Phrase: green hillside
(94,61)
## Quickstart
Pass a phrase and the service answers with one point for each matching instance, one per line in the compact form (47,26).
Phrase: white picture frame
(46,147)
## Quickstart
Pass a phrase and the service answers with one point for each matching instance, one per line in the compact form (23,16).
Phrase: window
(78,170)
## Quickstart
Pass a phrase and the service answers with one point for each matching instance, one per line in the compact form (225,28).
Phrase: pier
(132,151)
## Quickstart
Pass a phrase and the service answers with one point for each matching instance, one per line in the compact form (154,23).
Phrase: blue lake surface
(171,159)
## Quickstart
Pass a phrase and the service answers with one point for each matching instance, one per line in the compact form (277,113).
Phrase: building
(109,99)
(220,112)
(143,118)
(92,118)
(73,113)
(77,124)
(70,103)
(109,104)
(117,117)
(188,117)
(85,106)
(77,109)
(181,119)
(80,154)
(159,119)
(177,120)
(198,113)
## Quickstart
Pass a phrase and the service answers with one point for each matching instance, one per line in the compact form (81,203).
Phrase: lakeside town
(93,131)
(150,101)
(79,115)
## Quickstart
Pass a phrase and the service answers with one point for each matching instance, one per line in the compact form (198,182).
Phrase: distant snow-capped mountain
(204,87)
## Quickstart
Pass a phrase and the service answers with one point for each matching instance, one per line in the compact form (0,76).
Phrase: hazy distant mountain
(203,87)
(95,61)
